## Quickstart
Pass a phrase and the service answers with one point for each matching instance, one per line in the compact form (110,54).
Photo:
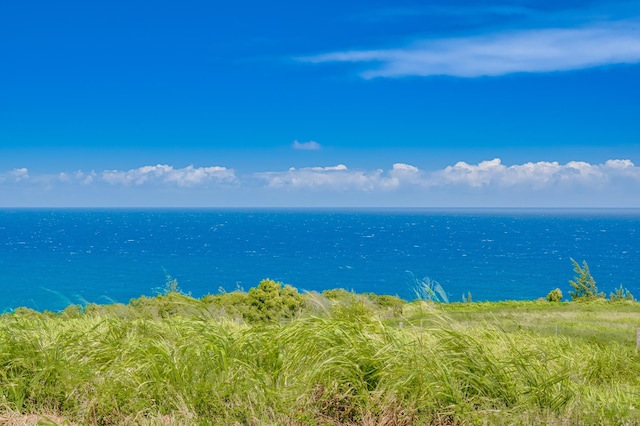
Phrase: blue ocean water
(52,258)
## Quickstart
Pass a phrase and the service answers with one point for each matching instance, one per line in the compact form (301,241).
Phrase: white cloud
(534,175)
(85,178)
(405,174)
(532,51)
(19,174)
(333,177)
(405,168)
(15,175)
(306,146)
(622,168)
(339,167)
(473,175)
(187,176)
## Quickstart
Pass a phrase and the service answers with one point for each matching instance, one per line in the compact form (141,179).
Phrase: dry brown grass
(18,419)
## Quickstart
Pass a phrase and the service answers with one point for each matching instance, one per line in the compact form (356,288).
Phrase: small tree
(583,283)
(621,293)
(554,295)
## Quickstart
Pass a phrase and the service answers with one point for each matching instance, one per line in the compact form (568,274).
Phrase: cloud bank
(492,173)
(526,51)
(162,173)
(535,175)
(611,183)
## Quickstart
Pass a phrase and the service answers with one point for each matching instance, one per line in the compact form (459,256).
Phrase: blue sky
(283,103)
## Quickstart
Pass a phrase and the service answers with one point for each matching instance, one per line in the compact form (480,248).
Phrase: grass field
(275,357)
(598,321)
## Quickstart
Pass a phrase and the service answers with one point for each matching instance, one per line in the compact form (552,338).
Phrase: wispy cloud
(187,176)
(529,51)
(306,146)
(333,177)
(84,178)
(15,175)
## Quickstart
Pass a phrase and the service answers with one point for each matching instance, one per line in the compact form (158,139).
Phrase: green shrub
(232,305)
(554,295)
(337,294)
(393,303)
(270,301)
(355,310)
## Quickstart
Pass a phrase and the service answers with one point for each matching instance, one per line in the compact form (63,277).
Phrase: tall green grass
(173,359)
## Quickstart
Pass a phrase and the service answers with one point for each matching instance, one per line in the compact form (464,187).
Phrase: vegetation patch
(274,356)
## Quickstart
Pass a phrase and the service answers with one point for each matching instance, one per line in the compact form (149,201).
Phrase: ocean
(53,258)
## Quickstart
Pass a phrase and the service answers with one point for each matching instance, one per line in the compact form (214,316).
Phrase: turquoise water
(52,258)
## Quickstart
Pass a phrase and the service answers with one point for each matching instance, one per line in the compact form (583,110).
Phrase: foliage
(428,289)
(233,305)
(114,365)
(554,295)
(346,304)
(223,359)
(393,303)
(621,293)
(467,298)
(583,284)
(171,286)
(337,294)
(163,305)
(270,301)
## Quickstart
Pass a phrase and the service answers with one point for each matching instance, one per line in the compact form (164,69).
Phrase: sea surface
(53,258)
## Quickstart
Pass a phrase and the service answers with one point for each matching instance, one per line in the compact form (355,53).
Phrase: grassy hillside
(273,356)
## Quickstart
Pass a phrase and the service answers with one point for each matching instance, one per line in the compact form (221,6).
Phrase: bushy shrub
(337,294)
(394,303)
(164,305)
(234,304)
(270,301)
(356,310)
(554,295)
